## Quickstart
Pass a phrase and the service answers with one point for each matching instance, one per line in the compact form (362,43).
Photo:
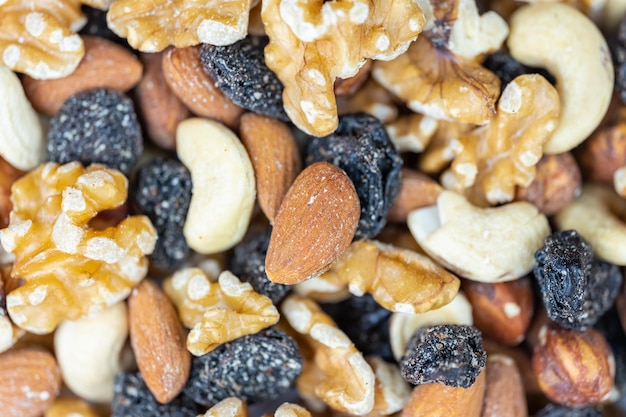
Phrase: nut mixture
(446,179)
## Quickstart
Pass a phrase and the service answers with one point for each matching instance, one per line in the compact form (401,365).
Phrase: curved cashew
(568,44)
(594,216)
(489,245)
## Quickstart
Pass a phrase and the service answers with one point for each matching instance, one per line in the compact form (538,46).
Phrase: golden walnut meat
(70,269)
(217,312)
(314,42)
(38,39)
(151,26)
(493,159)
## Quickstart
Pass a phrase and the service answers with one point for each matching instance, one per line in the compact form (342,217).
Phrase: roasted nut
(501,311)
(504,393)
(603,153)
(443,147)
(324,37)
(223,184)
(573,368)
(183,72)
(229,407)
(371,99)
(494,159)
(22,142)
(523,362)
(8,175)
(151,27)
(619,181)
(347,86)
(9,333)
(340,376)
(596,215)
(412,133)
(105,65)
(37,37)
(217,312)
(557,182)
(402,326)
(489,245)
(399,279)
(70,407)
(31,382)
(565,42)
(88,351)
(391,392)
(275,157)
(70,269)
(417,190)
(327,288)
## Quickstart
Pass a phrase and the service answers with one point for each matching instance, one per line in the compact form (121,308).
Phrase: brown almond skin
(417,190)
(158,340)
(8,175)
(275,158)
(314,225)
(159,108)
(504,393)
(185,75)
(105,65)
(501,311)
(347,86)
(438,400)
(573,368)
(603,153)
(31,381)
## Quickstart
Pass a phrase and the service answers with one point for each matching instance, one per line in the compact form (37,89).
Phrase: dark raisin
(555,410)
(248,263)
(162,191)
(132,398)
(365,322)
(253,368)
(239,71)
(611,328)
(505,67)
(361,147)
(620,60)
(96,126)
(576,288)
(448,354)
(97,25)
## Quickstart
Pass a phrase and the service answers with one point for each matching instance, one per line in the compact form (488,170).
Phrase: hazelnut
(603,153)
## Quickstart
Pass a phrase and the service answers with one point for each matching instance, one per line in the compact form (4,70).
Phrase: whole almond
(417,190)
(314,225)
(275,158)
(504,393)
(30,382)
(105,65)
(159,108)
(158,340)
(185,75)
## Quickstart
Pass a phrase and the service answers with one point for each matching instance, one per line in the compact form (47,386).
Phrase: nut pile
(300,208)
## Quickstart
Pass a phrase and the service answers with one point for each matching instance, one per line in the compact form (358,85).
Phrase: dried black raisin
(507,68)
(239,71)
(96,126)
(365,322)
(248,263)
(132,398)
(576,288)
(162,191)
(448,354)
(555,410)
(253,368)
(361,147)
(97,25)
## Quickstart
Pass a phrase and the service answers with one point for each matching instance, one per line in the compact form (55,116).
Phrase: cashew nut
(595,216)
(223,185)
(88,351)
(561,39)
(21,136)
(482,244)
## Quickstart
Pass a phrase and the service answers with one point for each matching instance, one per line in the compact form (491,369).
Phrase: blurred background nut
(573,368)
(88,351)
(557,182)
(231,406)
(417,190)
(411,133)
(504,393)
(9,332)
(561,39)
(347,86)
(70,407)
(372,99)
(391,392)
(603,153)
(8,175)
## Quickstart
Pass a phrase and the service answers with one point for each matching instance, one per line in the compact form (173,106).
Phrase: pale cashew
(21,136)
(561,39)
(223,185)
(594,216)
(482,244)
(88,351)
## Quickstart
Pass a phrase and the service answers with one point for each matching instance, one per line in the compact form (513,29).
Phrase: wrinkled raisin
(365,322)
(620,60)
(162,191)
(253,368)
(239,71)
(96,126)
(554,410)
(132,398)
(576,288)
(248,263)
(507,68)
(97,25)
(361,147)
(448,354)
